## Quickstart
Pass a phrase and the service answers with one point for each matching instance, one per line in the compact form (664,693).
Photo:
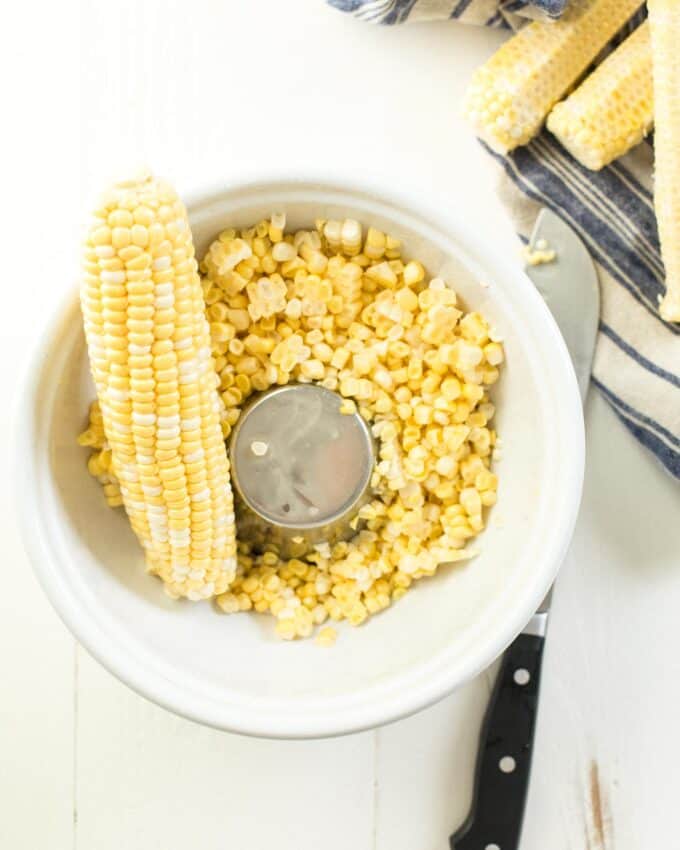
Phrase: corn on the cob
(613,110)
(511,95)
(664,20)
(149,347)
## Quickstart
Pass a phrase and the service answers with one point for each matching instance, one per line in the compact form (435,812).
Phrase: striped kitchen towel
(637,360)
(486,12)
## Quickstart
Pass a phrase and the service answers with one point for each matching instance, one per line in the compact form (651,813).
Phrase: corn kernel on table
(201,90)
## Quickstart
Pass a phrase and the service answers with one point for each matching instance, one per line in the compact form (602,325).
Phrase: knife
(570,288)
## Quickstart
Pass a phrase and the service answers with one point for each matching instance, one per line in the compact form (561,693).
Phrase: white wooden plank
(40,229)
(36,710)
(424,770)
(607,748)
(376,98)
(148,779)
(37,688)
(611,686)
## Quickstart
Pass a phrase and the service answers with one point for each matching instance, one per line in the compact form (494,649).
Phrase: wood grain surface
(199,91)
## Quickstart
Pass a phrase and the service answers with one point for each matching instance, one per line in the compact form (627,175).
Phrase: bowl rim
(362,715)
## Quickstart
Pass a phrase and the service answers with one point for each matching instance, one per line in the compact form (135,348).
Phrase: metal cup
(301,469)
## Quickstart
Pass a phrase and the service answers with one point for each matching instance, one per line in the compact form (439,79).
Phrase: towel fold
(637,360)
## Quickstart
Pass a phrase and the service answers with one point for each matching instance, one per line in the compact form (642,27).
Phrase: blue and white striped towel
(637,360)
(493,13)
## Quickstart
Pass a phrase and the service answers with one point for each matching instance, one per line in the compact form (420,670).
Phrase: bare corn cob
(613,109)
(149,347)
(511,95)
(664,20)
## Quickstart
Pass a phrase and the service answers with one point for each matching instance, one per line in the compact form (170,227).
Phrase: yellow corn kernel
(392,248)
(326,636)
(284,252)
(374,246)
(493,353)
(333,234)
(350,236)
(383,274)
(276,227)
(413,273)
(312,369)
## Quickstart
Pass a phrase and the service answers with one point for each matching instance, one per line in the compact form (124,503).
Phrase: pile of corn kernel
(342,309)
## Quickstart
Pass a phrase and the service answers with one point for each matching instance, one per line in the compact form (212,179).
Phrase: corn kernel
(413,273)
(313,369)
(326,636)
(340,309)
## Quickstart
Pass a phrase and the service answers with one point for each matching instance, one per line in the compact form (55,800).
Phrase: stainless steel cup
(301,469)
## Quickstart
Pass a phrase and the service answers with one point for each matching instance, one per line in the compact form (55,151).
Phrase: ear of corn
(511,95)
(613,110)
(664,20)
(149,347)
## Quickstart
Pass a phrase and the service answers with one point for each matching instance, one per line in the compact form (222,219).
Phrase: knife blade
(569,286)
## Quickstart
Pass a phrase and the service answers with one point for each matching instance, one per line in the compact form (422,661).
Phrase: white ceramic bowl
(231,671)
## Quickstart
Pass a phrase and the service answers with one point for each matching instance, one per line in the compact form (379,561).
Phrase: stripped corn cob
(149,346)
(511,95)
(613,110)
(664,20)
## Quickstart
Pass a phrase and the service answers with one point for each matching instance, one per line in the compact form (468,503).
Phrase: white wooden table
(199,90)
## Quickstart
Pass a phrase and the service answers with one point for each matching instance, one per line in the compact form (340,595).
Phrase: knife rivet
(507,764)
(522,676)
(492,847)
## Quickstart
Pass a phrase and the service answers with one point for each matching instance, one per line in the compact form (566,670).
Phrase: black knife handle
(504,758)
